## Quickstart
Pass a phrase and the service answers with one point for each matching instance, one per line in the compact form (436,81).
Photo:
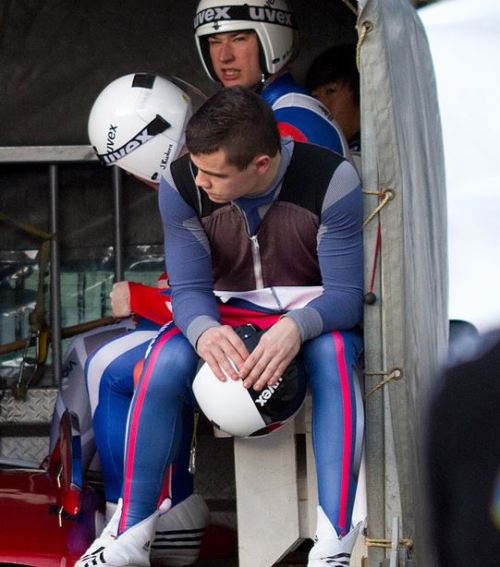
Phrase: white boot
(330,550)
(131,548)
(178,533)
(113,513)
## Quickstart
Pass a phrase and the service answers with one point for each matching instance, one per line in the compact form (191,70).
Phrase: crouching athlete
(98,379)
(278,224)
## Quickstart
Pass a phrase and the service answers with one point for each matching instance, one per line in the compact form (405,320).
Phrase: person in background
(463,456)
(333,78)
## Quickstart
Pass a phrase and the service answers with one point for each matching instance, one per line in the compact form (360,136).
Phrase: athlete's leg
(337,422)
(109,375)
(179,530)
(154,429)
(72,392)
(110,382)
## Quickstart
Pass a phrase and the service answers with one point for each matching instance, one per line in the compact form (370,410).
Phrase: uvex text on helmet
(138,122)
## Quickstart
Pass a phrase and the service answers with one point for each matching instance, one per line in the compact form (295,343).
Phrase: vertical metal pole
(55,289)
(118,216)
(375,474)
(374,407)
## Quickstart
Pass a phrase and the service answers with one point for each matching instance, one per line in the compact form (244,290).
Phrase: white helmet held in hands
(245,412)
(137,123)
(273,22)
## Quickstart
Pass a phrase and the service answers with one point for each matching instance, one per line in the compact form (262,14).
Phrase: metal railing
(54,156)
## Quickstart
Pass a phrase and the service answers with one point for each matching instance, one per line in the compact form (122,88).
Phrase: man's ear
(261,163)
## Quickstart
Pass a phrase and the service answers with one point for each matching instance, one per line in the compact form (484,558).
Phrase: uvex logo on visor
(155,127)
(244,13)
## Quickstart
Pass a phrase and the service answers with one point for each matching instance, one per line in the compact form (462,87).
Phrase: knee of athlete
(120,381)
(318,349)
(93,373)
(324,365)
(168,373)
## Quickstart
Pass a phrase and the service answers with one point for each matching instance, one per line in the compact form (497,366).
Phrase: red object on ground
(48,514)
(30,533)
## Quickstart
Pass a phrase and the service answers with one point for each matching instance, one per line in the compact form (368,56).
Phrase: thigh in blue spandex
(72,392)
(155,428)
(110,383)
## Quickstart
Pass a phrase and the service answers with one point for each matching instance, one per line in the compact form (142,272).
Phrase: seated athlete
(153,110)
(224,208)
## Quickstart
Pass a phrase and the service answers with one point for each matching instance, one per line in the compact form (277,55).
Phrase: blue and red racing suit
(324,299)
(109,381)
(303,117)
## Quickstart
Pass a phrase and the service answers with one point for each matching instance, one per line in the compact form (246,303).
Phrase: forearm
(329,311)
(194,313)
(187,254)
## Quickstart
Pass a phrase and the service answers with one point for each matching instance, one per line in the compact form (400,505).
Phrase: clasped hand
(227,356)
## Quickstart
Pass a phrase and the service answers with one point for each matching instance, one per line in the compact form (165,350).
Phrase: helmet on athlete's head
(273,22)
(247,413)
(138,121)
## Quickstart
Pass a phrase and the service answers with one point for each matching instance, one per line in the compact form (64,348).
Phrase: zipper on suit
(257,263)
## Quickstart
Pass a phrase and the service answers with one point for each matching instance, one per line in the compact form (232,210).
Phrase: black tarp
(56,56)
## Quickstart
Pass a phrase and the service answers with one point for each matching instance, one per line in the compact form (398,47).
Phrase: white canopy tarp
(407,327)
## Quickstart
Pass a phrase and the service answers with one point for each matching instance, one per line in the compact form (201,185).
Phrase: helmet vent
(143,80)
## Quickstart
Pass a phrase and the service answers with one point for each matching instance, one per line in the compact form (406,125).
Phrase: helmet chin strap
(258,87)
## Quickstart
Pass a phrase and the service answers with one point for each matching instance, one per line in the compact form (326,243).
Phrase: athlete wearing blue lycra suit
(104,359)
(319,185)
(299,115)
(329,356)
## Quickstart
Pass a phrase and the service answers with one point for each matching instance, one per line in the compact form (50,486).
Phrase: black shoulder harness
(305,184)
(308,176)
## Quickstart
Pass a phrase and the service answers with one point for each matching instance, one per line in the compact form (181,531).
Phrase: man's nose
(225,52)
(202,180)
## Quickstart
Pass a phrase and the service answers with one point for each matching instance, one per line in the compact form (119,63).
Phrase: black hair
(337,63)
(237,121)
